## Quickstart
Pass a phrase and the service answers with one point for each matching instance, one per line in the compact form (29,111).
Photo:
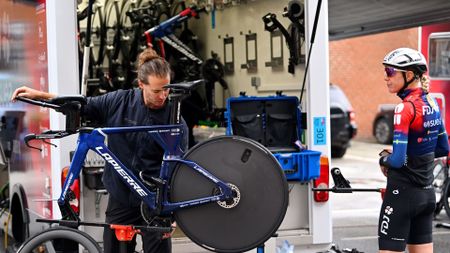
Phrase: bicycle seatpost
(175,111)
(178,92)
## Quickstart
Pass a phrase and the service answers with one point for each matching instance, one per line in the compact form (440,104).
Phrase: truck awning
(350,18)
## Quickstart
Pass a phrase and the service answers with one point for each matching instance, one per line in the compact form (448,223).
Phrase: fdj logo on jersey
(428,110)
(121,172)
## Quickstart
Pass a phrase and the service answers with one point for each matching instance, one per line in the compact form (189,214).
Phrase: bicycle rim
(440,173)
(263,195)
(446,196)
(50,240)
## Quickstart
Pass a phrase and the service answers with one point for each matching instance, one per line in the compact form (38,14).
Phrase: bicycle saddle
(184,86)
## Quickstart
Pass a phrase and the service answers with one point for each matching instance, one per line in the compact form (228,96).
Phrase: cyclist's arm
(28,92)
(404,115)
(98,108)
(442,143)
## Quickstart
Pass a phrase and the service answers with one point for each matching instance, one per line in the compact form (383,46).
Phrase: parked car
(343,124)
(383,124)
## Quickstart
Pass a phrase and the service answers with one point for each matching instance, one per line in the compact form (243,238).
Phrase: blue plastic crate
(300,166)
(275,122)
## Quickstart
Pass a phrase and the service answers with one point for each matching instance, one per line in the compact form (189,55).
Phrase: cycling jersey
(419,137)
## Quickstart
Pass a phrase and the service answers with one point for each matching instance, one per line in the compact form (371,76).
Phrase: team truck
(435,45)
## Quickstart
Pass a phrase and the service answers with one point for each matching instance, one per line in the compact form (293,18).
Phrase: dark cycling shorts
(406,217)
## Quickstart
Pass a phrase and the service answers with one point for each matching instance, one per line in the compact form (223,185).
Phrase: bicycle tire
(440,173)
(446,197)
(59,232)
(254,171)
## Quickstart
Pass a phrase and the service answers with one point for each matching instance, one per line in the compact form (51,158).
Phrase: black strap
(406,83)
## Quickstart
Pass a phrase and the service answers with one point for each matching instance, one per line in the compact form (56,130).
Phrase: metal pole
(347,190)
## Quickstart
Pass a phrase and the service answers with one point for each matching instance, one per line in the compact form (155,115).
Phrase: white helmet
(406,59)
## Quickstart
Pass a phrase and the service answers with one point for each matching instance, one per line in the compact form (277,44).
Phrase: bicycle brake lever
(28,138)
(54,145)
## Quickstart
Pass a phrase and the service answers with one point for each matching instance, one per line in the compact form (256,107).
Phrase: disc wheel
(260,195)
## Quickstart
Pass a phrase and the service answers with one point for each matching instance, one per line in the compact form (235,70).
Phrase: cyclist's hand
(168,235)
(28,92)
(384,170)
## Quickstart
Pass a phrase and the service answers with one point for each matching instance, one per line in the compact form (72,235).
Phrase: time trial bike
(227,194)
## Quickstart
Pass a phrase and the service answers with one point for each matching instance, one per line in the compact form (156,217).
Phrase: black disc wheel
(259,201)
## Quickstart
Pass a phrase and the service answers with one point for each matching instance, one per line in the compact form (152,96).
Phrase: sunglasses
(390,72)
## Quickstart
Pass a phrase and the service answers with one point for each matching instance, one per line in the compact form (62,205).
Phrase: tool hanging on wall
(251,53)
(228,54)
(276,50)
(295,36)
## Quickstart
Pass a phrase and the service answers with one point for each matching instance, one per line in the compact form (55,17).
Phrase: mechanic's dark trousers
(116,213)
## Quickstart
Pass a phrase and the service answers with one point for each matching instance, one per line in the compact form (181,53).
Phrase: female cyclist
(419,136)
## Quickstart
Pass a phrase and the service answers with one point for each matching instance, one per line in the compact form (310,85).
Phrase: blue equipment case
(275,122)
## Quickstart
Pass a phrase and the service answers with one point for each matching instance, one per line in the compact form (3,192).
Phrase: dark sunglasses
(390,72)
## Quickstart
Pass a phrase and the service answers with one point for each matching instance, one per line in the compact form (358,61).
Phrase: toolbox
(275,122)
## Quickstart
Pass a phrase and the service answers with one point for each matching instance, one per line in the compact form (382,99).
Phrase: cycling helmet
(406,59)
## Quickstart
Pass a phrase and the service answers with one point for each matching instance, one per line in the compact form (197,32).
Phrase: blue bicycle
(227,194)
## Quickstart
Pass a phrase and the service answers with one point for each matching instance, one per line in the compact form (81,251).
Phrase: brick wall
(355,65)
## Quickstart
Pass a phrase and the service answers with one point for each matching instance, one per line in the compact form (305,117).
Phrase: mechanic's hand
(168,235)
(384,170)
(28,92)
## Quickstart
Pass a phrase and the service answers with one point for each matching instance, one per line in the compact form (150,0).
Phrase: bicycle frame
(169,138)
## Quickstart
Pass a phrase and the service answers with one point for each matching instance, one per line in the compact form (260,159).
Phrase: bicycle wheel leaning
(259,184)
(446,197)
(59,239)
(440,173)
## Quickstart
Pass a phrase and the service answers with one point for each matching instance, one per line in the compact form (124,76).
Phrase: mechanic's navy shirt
(419,137)
(137,151)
